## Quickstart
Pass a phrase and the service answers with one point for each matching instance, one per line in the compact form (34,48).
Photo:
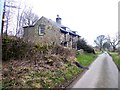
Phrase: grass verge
(116,58)
(86,59)
(98,52)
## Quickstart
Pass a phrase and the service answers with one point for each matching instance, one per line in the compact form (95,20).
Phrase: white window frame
(40,30)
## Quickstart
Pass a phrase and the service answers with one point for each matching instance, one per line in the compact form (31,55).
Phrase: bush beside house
(31,65)
(82,44)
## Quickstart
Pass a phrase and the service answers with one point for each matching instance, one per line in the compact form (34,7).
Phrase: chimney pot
(58,19)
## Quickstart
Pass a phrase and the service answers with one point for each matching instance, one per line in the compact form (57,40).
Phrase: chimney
(58,19)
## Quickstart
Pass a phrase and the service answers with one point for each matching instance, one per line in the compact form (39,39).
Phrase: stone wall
(29,33)
(52,33)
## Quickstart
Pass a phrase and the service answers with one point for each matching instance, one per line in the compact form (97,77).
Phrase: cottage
(48,31)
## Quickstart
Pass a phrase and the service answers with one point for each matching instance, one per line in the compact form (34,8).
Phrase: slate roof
(62,27)
(28,26)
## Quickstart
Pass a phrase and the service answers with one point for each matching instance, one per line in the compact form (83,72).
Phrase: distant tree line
(106,42)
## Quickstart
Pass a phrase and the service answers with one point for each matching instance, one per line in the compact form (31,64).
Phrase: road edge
(78,77)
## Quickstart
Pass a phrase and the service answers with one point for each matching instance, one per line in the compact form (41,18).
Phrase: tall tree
(9,6)
(25,18)
(106,45)
(30,17)
(99,41)
(81,44)
(113,41)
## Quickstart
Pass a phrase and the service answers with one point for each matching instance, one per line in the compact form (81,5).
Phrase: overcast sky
(90,18)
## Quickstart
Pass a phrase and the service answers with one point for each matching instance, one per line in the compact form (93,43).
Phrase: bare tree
(25,18)
(100,41)
(113,41)
(24,15)
(106,45)
(29,17)
(9,5)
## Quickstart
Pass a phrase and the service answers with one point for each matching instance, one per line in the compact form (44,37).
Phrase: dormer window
(41,29)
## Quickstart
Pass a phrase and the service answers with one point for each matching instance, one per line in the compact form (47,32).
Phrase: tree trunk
(114,48)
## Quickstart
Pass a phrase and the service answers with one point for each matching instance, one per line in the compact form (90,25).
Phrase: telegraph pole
(3,17)
(3,20)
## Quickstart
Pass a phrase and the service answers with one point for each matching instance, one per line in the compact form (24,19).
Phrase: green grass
(0,85)
(116,58)
(86,59)
(53,79)
(45,79)
(98,52)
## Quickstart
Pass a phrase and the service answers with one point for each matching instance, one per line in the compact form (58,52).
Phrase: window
(41,29)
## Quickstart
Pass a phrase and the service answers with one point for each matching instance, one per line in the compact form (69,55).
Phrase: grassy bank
(48,78)
(116,58)
(86,59)
(26,65)
(98,52)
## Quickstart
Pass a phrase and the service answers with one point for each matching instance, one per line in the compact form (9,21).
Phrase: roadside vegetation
(40,66)
(116,58)
(86,59)
(98,52)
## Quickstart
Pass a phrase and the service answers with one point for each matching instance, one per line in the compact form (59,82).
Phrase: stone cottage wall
(52,33)
(28,33)
(69,37)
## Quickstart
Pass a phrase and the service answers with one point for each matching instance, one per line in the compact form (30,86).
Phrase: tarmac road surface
(102,73)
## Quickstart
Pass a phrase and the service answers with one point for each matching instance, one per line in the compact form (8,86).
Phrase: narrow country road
(102,73)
